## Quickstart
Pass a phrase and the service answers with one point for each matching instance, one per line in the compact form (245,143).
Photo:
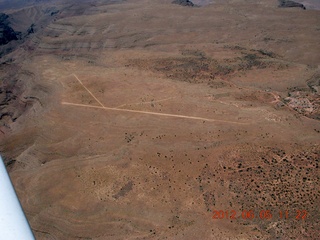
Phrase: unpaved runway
(88,90)
(152,113)
(141,112)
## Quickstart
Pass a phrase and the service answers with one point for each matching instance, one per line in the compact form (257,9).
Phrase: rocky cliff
(7,34)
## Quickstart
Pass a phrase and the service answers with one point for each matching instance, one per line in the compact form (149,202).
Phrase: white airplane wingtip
(13,222)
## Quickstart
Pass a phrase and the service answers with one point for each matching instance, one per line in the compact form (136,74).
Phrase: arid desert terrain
(144,119)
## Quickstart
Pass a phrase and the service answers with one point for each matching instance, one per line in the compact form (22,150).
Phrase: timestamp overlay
(260,214)
(278,222)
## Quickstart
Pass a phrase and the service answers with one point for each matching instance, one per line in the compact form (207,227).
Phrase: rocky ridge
(186,3)
(287,4)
